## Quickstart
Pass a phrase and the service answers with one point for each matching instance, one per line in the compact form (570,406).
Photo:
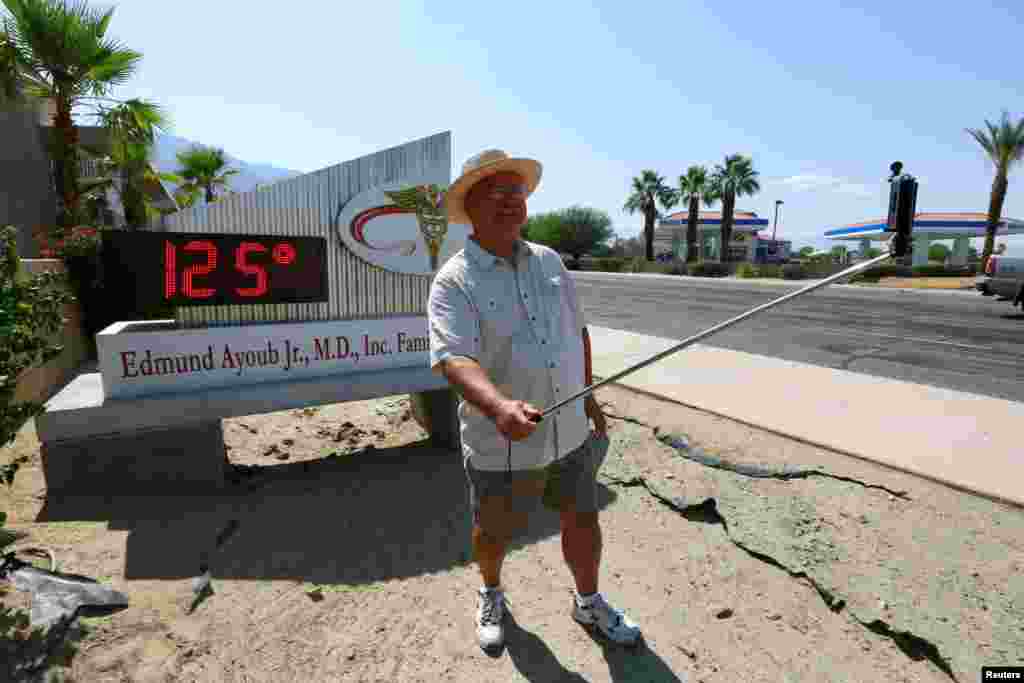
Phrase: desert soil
(351,562)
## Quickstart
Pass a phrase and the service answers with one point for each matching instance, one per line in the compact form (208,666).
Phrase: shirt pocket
(554,304)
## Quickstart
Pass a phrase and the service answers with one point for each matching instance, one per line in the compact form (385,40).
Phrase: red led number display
(209,269)
(242,264)
(282,253)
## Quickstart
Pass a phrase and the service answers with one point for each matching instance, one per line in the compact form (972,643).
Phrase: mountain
(164,157)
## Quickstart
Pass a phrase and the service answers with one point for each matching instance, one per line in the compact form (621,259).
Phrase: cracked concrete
(899,556)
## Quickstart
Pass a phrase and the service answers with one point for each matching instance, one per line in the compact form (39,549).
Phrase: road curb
(773,282)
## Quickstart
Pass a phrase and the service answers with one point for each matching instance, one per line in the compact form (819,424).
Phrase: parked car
(1004,279)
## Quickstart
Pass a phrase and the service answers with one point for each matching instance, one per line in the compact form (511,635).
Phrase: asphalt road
(957,340)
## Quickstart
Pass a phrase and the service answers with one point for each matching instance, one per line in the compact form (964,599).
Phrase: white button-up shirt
(521,320)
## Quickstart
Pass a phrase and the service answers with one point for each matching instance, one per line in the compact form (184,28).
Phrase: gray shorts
(572,479)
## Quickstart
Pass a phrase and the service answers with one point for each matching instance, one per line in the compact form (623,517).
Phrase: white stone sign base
(156,357)
(172,443)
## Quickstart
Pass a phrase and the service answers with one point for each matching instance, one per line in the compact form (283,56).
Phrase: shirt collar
(487,260)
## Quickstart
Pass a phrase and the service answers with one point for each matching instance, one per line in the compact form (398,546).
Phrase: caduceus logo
(427,203)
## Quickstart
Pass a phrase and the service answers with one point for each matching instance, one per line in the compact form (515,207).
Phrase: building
(746,244)
(928,228)
(28,192)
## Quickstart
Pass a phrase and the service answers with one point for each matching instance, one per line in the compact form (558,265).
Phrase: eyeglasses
(500,192)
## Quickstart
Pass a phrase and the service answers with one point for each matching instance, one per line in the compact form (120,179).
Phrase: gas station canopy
(960,227)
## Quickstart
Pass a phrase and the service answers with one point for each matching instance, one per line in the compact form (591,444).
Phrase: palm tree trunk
(67,160)
(995,212)
(649,233)
(728,204)
(691,231)
(133,198)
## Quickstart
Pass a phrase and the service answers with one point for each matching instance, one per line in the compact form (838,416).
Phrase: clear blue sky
(822,95)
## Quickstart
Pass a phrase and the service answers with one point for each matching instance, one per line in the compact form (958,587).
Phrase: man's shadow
(537,663)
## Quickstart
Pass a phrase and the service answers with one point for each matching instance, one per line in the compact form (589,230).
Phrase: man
(507,331)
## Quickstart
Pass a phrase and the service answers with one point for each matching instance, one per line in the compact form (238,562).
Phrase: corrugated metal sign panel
(309,205)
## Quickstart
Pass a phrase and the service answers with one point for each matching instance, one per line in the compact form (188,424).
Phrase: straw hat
(485,164)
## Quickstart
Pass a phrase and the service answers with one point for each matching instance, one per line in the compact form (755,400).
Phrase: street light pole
(777,202)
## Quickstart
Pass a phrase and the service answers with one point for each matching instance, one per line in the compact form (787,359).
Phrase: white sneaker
(611,622)
(490,614)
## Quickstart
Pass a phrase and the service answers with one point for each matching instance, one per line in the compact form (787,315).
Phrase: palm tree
(648,190)
(63,55)
(735,178)
(204,168)
(1004,144)
(694,188)
(10,66)
(132,127)
(187,196)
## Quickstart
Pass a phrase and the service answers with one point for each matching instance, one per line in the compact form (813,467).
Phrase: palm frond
(114,67)
(63,44)
(169,178)
(1003,142)
(983,140)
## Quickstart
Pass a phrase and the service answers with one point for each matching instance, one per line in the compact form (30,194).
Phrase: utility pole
(777,203)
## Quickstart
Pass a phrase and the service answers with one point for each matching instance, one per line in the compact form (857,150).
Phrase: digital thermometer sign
(210,269)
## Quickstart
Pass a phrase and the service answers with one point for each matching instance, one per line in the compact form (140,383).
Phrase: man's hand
(594,413)
(513,419)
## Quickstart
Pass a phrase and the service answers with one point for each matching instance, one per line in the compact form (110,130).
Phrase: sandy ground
(351,562)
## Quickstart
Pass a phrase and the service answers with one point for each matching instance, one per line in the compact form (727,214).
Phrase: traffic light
(902,207)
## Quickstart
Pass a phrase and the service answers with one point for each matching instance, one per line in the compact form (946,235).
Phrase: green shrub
(83,263)
(793,271)
(747,270)
(31,315)
(709,269)
(609,264)
(769,270)
(820,270)
(638,264)
(939,270)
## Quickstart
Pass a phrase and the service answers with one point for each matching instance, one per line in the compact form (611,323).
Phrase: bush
(638,264)
(81,252)
(793,272)
(709,269)
(938,270)
(609,264)
(931,270)
(820,270)
(769,270)
(747,270)
(31,314)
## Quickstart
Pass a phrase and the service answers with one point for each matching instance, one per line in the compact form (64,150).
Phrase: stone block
(181,460)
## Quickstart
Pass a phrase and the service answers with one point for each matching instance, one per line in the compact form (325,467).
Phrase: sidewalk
(968,441)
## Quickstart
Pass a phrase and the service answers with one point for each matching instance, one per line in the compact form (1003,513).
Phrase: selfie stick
(902,204)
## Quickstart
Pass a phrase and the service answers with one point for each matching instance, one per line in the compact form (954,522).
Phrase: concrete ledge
(182,460)
(80,410)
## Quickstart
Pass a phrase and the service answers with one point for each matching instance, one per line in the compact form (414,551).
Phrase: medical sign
(401,227)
